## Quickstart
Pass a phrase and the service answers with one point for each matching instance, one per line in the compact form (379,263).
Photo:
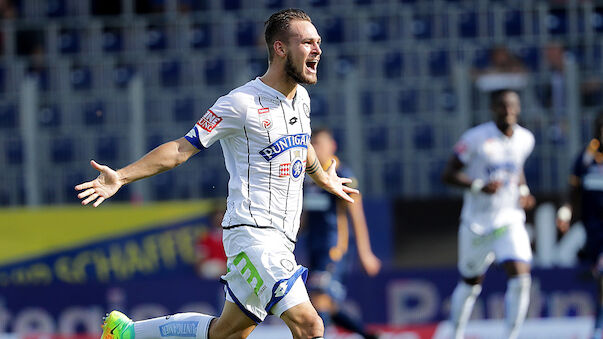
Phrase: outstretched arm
(369,261)
(162,158)
(328,179)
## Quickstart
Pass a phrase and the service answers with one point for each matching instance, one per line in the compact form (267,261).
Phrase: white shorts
(478,251)
(262,280)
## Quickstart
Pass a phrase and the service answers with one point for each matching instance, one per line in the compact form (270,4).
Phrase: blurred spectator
(505,70)
(211,259)
(7,11)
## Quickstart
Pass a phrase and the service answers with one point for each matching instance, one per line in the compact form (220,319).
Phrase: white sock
(517,300)
(181,325)
(461,305)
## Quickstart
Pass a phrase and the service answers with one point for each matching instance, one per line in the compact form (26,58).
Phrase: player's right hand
(101,188)
(491,187)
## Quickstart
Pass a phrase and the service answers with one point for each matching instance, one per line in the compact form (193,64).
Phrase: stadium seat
(423,137)
(377,138)
(448,100)
(513,23)
(333,30)
(408,101)
(14,151)
(246,33)
(62,149)
(319,105)
(393,65)
(481,57)
(164,186)
(596,19)
(231,5)
(439,63)
(422,26)
(345,64)
(557,21)
(530,55)
(49,116)
(435,174)
(170,73)
(107,148)
(70,179)
(94,113)
(376,29)
(112,40)
(122,75)
(8,117)
(257,66)
(273,4)
(468,24)
(201,36)
(184,110)
(319,3)
(156,39)
(56,8)
(215,72)
(81,78)
(366,103)
(393,176)
(69,41)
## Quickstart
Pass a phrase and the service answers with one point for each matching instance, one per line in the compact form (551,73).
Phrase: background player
(325,223)
(264,129)
(586,200)
(488,162)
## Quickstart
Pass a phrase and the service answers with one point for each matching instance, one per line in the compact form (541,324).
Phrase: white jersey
(264,138)
(489,155)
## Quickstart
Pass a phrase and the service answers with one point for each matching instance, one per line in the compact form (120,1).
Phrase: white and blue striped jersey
(264,138)
(489,155)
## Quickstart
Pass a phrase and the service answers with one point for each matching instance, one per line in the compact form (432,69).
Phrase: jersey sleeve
(222,120)
(465,147)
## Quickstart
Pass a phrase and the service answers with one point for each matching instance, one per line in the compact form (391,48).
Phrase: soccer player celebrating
(264,130)
(325,222)
(586,199)
(488,162)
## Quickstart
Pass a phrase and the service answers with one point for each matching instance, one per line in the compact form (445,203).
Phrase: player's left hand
(336,185)
(370,263)
(527,202)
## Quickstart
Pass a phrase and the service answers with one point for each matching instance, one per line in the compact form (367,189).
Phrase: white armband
(564,213)
(477,185)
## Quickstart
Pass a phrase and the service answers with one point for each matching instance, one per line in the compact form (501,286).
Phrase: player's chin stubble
(297,75)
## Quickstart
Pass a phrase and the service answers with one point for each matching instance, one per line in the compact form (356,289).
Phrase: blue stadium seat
(81,78)
(435,173)
(257,66)
(8,117)
(408,101)
(393,176)
(320,106)
(333,30)
(122,75)
(231,5)
(273,4)
(439,63)
(156,39)
(112,40)
(468,24)
(170,73)
(154,140)
(94,113)
(107,148)
(246,33)
(62,150)
(41,75)
(530,56)
(201,36)
(481,58)
(392,65)
(596,19)
(377,29)
(448,100)
(49,116)
(164,186)
(215,72)
(184,110)
(14,152)
(422,26)
(319,3)
(72,178)
(557,21)
(366,103)
(345,64)
(423,137)
(56,8)
(377,138)
(69,41)
(513,23)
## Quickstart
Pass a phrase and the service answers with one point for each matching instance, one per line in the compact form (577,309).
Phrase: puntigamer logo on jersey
(285,143)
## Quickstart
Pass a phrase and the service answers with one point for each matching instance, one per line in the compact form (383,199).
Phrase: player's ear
(279,48)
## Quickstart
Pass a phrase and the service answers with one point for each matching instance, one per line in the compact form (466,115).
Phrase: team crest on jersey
(209,121)
(265,117)
(293,169)
(283,144)
(306,110)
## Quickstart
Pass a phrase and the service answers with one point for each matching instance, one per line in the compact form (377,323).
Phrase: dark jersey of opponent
(588,173)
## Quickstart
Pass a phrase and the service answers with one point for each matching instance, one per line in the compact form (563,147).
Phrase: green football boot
(117,325)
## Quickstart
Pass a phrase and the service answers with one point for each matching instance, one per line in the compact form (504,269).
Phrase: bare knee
(308,325)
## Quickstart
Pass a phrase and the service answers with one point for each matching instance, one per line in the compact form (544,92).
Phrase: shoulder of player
(239,99)
(524,133)
(303,92)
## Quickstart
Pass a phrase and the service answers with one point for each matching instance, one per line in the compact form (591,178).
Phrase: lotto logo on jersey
(285,143)
(209,121)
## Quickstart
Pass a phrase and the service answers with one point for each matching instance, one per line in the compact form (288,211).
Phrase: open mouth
(312,66)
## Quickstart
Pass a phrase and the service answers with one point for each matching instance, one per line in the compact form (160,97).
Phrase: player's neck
(280,81)
(505,129)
